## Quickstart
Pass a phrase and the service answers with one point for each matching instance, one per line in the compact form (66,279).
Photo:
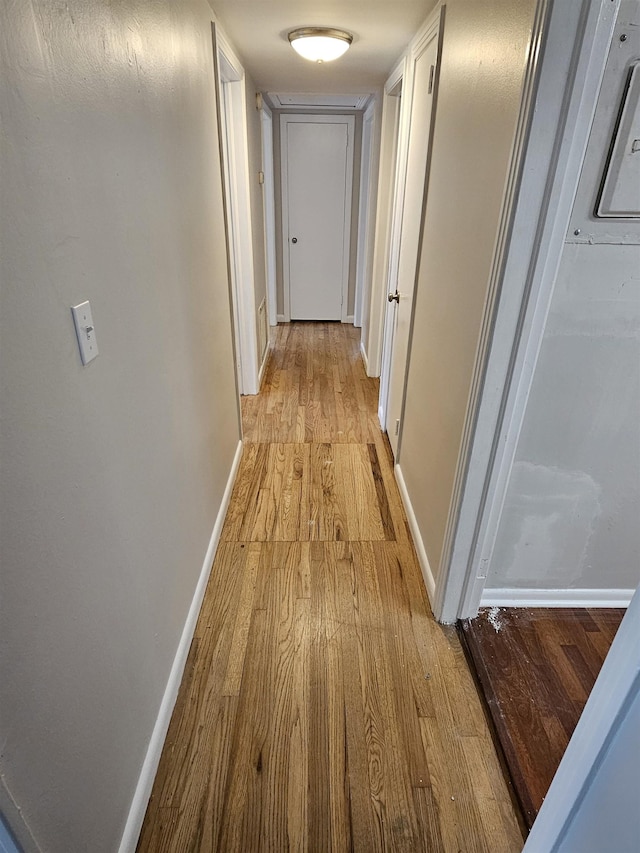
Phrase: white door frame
(365,212)
(293,118)
(268,196)
(416,48)
(401,75)
(542,184)
(235,152)
(387,168)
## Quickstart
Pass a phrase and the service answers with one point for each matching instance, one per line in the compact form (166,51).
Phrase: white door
(317,174)
(401,306)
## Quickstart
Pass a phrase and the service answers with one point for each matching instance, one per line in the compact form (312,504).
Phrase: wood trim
(513,597)
(152,758)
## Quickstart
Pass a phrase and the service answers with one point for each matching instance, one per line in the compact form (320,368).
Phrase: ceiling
(381,30)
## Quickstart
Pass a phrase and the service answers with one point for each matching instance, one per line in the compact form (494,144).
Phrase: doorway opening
(419,85)
(317,183)
(235,160)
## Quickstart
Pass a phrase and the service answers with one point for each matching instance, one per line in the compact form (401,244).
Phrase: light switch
(85,332)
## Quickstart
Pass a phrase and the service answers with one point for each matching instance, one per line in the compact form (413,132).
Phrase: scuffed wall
(570,518)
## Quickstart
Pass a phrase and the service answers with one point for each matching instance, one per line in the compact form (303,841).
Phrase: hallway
(322,707)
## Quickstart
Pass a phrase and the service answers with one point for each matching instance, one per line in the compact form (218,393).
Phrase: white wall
(570,518)
(112,475)
(483,60)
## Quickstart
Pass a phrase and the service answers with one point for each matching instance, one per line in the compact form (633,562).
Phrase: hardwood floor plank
(298,771)
(500,834)
(536,669)
(389,772)
(412,695)
(383,501)
(322,708)
(242,807)
(280,664)
(329,825)
(246,493)
(237,652)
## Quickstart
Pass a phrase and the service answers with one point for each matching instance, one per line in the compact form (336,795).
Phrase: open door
(423,74)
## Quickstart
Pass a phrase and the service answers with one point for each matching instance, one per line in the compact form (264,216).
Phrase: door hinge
(431,76)
(397,426)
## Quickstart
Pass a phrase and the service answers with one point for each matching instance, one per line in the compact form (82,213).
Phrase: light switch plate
(85,331)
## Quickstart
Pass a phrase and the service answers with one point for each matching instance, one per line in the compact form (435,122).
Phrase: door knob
(394,297)
(294,239)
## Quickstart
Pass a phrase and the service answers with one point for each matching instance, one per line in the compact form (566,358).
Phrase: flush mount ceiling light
(320,44)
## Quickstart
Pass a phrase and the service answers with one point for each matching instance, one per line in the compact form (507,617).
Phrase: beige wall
(112,474)
(357,146)
(484,49)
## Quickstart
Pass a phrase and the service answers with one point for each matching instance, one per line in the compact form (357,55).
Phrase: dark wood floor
(322,707)
(536,669)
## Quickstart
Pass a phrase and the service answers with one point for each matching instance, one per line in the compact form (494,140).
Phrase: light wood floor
(322,707)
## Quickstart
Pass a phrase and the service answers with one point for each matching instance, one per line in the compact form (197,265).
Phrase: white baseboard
(152,759)
(427,574)
(281,318)
(267,350)
(363,353)
(349,319)
(556,597)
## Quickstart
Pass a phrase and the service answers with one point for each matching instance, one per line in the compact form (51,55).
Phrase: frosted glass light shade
(320,44)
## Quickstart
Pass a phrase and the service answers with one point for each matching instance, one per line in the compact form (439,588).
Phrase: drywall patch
(546,529)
